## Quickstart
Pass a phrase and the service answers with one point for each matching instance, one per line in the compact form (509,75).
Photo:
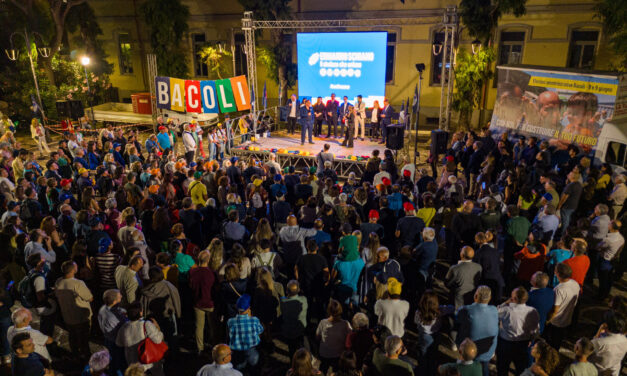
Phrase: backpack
(26,290)
(395,201)
(25,213)
(269,265)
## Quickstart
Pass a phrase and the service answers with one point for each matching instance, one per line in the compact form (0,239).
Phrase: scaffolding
(449,21)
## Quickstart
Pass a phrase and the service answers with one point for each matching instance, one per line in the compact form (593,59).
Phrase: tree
(472,72)
(82,19)
(217,60)
(481,17)
(167,22)
(613,13)
(277,56)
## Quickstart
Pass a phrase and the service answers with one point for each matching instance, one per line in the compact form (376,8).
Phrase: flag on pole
(414,104)
(403,106)
(36,108)
(265,96)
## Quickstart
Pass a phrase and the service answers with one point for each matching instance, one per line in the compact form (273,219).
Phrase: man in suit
(480,322)
(306,121)
(463,278)
(331,113)
(349,119)
(386,119)
(293,108)
(319,116)
(344,111)
(360,119)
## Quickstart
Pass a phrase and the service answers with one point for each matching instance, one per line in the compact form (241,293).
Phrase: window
(391,56)
(436,58)
(241,67)
(582,49)
(510,49)
(200,68)
(615,153)
(124,51)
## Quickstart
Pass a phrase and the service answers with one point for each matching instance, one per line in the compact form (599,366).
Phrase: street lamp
(85,61)
(13,53)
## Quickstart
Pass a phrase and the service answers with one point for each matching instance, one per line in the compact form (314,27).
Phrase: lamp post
(420,67)
(13,53)
(85,60)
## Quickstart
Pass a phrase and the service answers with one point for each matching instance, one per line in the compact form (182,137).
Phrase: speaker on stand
(396,137)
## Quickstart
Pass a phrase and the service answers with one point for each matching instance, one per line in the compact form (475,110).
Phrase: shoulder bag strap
(234,290)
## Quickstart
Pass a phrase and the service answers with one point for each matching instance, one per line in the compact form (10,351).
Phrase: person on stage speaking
(343,113)
(306,121)
(293,105)
(349,119)
(360,119)
(375,121)
(386,119)
(319,117)
(331,113)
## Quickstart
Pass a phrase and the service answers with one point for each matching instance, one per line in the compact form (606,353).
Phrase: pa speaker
(70,109)
(63,109)
(439,142)
(396,137)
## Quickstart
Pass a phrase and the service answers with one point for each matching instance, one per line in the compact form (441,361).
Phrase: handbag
(150,352)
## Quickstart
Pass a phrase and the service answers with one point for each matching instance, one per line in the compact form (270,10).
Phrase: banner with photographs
(563,107)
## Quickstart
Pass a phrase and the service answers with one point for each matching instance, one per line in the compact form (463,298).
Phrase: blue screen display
(342,63)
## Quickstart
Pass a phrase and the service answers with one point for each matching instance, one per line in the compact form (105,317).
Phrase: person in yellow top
(18,164)
(198,190)
(605,175)
(427,212)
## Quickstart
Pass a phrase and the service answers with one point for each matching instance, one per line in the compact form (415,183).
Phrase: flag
(265,96)
(36,108)
(414,104)
(403,106)
(252,98)
(280,95)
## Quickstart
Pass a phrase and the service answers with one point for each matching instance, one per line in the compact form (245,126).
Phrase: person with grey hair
(221,365)
(360,340)
(480,322)
(462,278)
(294,315)
(426,252)
(541,297)
(271,162)
(111,317)
(22,318)
(389,363)
(619,194)
(98,364)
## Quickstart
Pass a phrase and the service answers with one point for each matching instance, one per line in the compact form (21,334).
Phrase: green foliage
(481,17)
(472,71)
(271,58)
(614,16)
(267,9)
(218,60)
(167,22)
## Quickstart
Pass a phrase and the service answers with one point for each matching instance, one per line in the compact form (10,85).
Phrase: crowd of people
(134,249)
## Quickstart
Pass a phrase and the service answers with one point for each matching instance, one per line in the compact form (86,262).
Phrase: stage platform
(290,152)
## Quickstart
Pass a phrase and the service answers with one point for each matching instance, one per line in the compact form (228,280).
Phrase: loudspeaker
(396,137)
(70,109)
(439,141)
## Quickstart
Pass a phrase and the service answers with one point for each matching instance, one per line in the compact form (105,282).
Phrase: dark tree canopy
(481,17)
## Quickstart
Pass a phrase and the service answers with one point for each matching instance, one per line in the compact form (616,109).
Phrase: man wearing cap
(372,226)
(392,311)
(83,179)
(378,178)
(117,154)
(409,227)
(95,234)
(164,140)
(244,331)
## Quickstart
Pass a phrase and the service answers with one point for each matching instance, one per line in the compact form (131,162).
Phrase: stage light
(420,67)
(85,60)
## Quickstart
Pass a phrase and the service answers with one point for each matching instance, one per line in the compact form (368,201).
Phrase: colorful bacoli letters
(207,96)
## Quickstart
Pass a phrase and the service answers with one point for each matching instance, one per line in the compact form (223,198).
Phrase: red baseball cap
(408,206)
(373,214)
(406,173)
(161,128)
(450,158)
(386,181)
(65,182)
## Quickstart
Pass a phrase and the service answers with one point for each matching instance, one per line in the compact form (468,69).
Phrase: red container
(141,103)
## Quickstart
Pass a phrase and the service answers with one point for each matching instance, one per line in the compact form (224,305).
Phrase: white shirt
(375,113)
(189,142)
(518,322)
(293,109)
(378,178)
(611,244)
(39,339)
(566,295)
(214,369)
(609,352)
(392,314)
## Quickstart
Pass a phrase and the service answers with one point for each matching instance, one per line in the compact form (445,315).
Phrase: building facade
(557,33)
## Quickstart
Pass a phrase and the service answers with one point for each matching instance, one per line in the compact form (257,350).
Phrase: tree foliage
(218,60)
(83,19)
(167,24)
(472,71)
(613,13)
(481,17)
(276,57)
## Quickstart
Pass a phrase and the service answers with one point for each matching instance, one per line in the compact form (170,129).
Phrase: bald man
(293,233)
(463,278)
(221,365)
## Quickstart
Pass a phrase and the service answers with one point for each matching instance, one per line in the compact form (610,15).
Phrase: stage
(290,152)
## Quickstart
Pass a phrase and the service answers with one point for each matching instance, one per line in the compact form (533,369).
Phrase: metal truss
(343,23)
(450,22)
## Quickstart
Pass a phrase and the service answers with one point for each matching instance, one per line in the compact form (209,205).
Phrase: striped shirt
(106,264)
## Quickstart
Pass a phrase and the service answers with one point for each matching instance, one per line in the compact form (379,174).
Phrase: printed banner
(563,107)
(206,96)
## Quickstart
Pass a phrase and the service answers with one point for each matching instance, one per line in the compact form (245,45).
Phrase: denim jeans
(566,214)
(245,358)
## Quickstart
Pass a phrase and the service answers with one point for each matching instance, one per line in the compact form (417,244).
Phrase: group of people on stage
(351,119)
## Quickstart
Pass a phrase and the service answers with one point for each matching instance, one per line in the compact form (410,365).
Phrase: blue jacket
(388,112)
(306,115)
(480,323)
(164,140)
(542,300)
(94,161)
